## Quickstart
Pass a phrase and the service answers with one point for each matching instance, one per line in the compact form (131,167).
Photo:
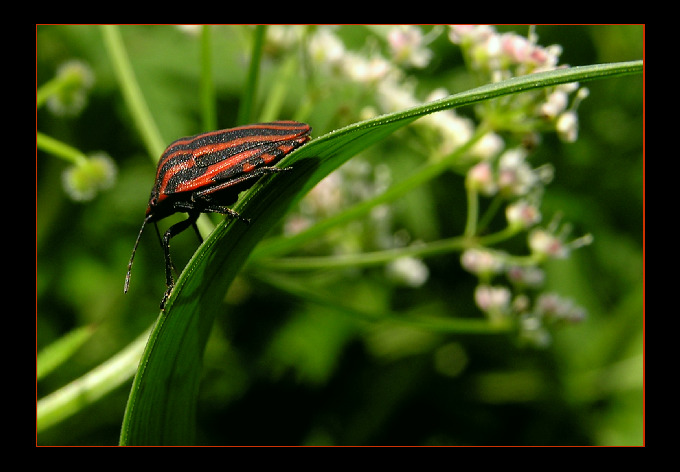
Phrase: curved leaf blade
(162,404)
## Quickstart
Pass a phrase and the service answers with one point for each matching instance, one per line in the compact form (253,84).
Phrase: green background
(282,370)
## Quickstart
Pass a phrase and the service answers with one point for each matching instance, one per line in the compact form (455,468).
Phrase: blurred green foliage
(284,370)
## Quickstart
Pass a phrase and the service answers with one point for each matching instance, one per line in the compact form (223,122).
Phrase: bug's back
(207,160)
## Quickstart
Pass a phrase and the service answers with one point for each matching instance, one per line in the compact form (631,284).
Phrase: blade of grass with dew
(162,404)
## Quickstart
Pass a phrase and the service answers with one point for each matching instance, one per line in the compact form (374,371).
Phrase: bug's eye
(153,201)
(153,198)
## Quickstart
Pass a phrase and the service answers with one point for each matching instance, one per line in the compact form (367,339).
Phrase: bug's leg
(273,170)
(174,230)
(160,241)
(223,210)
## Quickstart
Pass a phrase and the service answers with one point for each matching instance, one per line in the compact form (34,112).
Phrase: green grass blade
(54,355)
(89,388)
(162,404)
(132,94)
(245,110)
(207,90)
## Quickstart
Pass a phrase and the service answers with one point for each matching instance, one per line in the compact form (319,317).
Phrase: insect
(205,173)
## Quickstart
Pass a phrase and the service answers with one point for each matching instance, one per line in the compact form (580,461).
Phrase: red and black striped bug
(206,172)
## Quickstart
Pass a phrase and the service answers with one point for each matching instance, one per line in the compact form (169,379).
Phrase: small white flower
(517,48)
(284,36)
(395,97)
(470,33)
(454,130)
(481,178)
(533,332)
(365,70)
(522,214)
(458,33)
(555,307)
(493,300)
(481,262)
(544,243)
(326,48)
(83,181)
(515,176)
(326,197)
(75,80)
(409,271)
(567,126)
(488,146)
(555,104)
(192,30)
(529,276)
(408,46)
(296,223)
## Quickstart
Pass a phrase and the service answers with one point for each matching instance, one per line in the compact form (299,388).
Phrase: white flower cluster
(497,57)
(82,181)
(501,302)
(494,168)
(387,74)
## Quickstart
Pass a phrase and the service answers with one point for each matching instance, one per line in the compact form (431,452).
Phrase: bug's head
(153,200)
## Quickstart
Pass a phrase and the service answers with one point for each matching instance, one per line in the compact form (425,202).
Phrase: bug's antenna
(132,257)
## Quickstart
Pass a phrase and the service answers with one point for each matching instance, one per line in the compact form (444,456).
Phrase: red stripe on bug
(206,178)
(263,139)
(268,157)
(297,131)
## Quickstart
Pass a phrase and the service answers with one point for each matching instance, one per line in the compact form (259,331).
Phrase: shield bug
(205,173)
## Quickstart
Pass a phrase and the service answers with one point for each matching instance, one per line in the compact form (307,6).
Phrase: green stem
(89,388)
(132,92)
(277,93)
(489,213)
(58,352)
(46,90)
(208,102)
(420,319)
(472,212)
(59,149)
(245,111)
(502,235)
(366,259)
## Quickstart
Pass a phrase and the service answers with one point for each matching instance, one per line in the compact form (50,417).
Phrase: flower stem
(208,108)
(472,212)
(59,149)
(132,92)
(46,90)
(245,111)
